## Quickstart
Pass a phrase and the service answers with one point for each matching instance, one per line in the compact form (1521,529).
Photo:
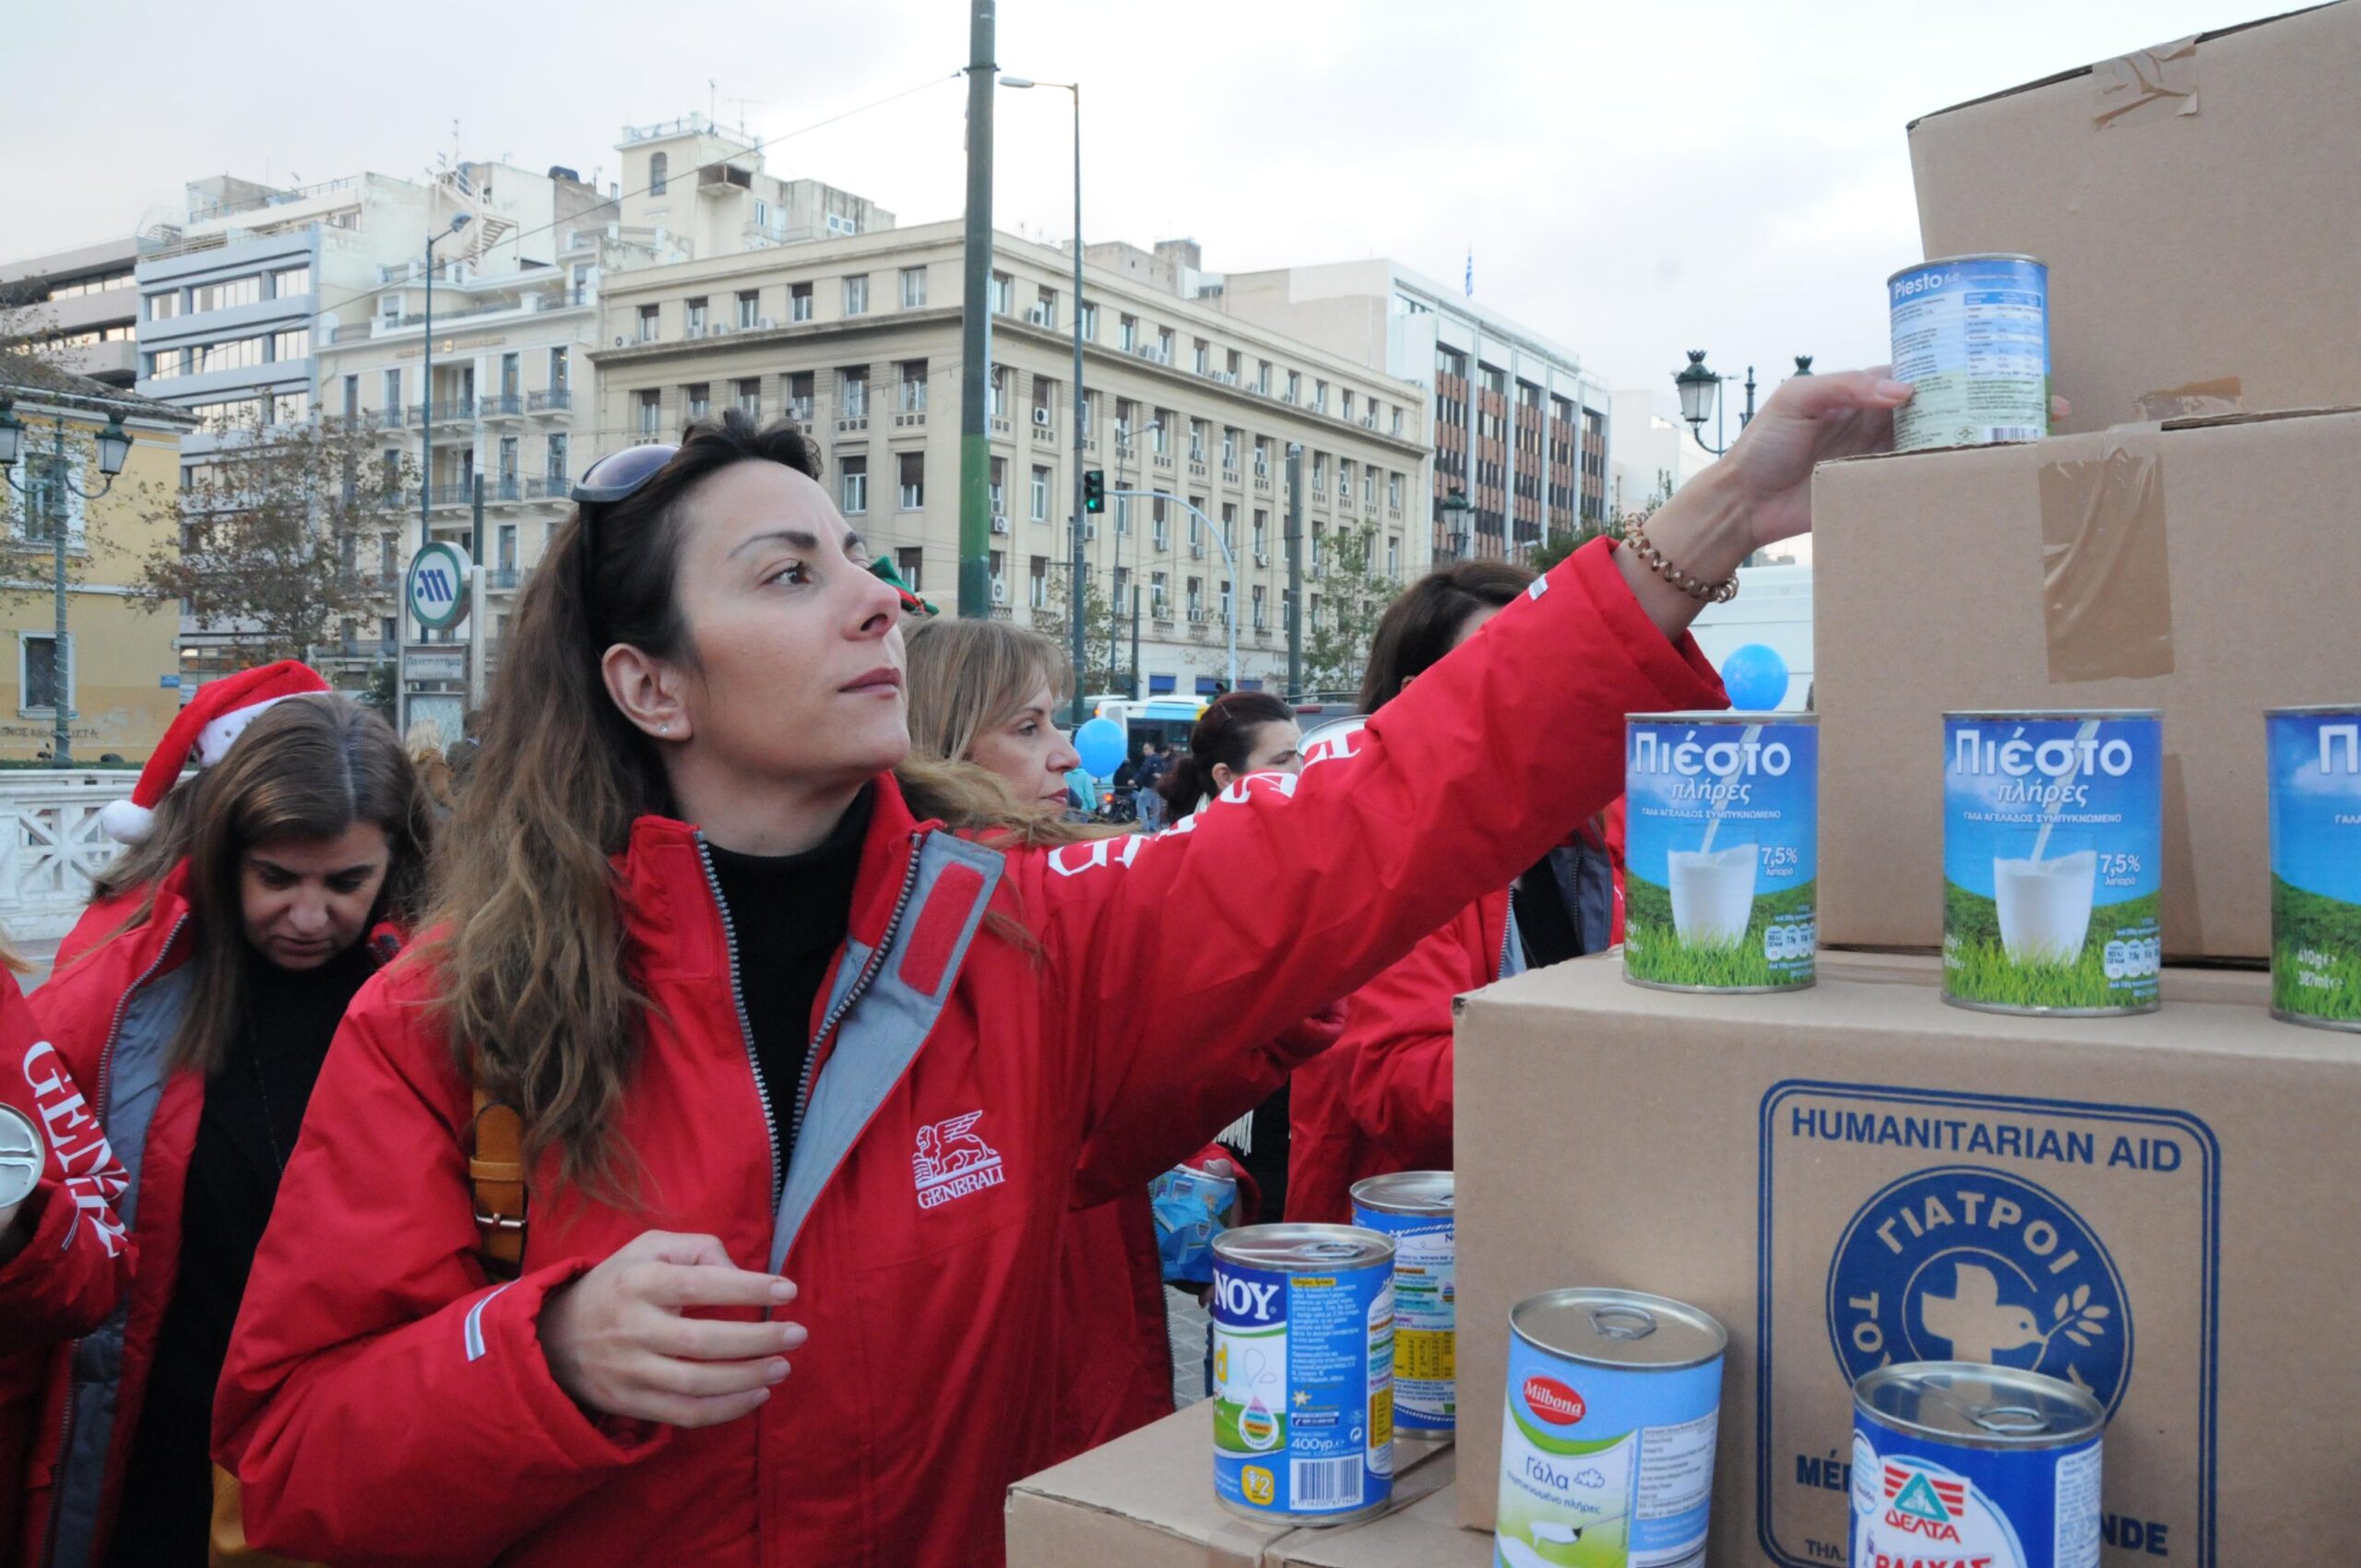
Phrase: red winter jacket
(383,1404)
(112,1014)
(76,1257)
(1381,1100)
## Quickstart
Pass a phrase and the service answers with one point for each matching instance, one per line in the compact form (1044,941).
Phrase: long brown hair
(1421,625)
(1223,734)
(309,768)
(528,928)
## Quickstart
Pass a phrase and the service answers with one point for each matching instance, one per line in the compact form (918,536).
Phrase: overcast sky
(1632,179)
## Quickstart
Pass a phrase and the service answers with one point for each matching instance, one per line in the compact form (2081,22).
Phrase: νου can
(1965,1462)
(1415,1208)
(22,1156)
(2314,769)
(1303,1373)
(1721,851)
(1606,1445)
(2053,860)
(1970,335)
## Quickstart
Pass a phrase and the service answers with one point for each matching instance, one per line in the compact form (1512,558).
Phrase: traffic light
(1094,490)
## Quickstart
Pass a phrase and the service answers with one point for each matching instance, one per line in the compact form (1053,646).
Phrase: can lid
(2038,713)
(1618,1328)
(1980,1405)
(1723,716)
(1934,261)
(1405,1192)
(22,1156)
(1303,1249)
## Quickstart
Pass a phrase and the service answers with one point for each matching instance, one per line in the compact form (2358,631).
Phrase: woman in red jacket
(702,682)
(1381,1101)
(199,1026)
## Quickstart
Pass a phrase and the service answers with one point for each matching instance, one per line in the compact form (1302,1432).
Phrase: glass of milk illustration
(1713,893)
(2044,893)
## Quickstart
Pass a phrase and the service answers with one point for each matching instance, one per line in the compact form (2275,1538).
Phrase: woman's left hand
(1808,420)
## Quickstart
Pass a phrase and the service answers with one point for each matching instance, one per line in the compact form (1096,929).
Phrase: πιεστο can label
(2052,861)
(2315,782)
(1721,862)
(1971,336)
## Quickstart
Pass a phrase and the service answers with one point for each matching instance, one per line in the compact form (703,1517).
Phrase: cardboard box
(2199,567)
(1425,1534)
(2199,204)
(1821,1170)
(1146,1500)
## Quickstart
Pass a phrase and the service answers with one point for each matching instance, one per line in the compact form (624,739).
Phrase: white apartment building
(1520,429)
(87,303)
(858,337)
(705,189)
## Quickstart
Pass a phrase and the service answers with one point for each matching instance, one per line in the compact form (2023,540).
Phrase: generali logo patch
(952,1160)
(1553,1401)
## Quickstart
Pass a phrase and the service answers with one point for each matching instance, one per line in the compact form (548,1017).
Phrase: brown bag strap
(225,1544)
(496,1171)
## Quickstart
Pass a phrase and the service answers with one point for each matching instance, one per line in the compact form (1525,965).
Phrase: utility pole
(1295,571)
(1080,553)
(1135,642)
(976,326)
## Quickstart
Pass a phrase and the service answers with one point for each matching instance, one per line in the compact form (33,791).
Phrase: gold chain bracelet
(1654,559)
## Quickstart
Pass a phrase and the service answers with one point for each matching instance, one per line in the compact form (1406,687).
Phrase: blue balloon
(1100,743)
(1756,677)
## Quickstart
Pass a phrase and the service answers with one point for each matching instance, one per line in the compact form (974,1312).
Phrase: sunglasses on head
(611,479)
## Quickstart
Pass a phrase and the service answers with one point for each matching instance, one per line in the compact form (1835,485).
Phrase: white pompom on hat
(213,719)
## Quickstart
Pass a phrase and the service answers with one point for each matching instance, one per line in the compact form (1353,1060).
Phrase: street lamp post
(114,449)
(1080,557)
(1228,558)
(1698,385)
(1456,506)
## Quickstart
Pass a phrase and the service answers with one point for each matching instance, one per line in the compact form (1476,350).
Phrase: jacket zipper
(876,961)
(106,1076)
(745,1024)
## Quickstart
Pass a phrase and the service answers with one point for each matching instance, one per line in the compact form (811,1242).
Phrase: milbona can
(2053,851)
(1722,851)
(2315,782)
(1959,1462)
(1606,1448)
(1970,335)
(1303,1373)
(1414,1208)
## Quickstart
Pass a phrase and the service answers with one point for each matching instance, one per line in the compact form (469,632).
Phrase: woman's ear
(1222,778)
(647,691)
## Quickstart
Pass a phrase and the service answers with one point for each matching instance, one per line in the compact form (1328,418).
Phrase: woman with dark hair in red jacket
(857,1162)
(197,1027)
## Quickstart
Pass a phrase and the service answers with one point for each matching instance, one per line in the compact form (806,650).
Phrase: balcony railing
(555,400)
(503,579)
(549,487)
(506,487)
(445,411)
(501,405)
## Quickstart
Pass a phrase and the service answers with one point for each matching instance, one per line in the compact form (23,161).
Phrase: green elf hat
(882,568)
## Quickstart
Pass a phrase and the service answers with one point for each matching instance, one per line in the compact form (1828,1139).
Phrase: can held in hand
(1722,851)
(22,1156)
(1964,1462)
(2315,780)
(1970,335)
(2053,860)
(1303,1373)
(1414,1208)
(1606,1447)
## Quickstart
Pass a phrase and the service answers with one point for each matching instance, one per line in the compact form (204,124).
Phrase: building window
(293,344)
(694,313)
(1162,522)
(1263,378)
(798,397)
(750,398)
(911,561)
(1196,441)
(1045,308)
(1204,365)
(1294,386)
(749,306)
(997,483)
(1089,322)
(1164,345)
(289,281)
(1196,599)
(229,291)
(1397,419)
(1045,403)
(1229,524)
(699,398)
(1156,596)
(651,414)
(1319,396)
(1261,531)
(1162,433)
(51,494)
(290,408)
(650,317)
(659,170)
(164,364)
(558,372)
(1394,491)
(554,466)
(852,387)
(164,306)
(852,487)
(352,396)
(42,677)
(1040,590)
(1127,334)
(1004,294)
(913,386)
(1229,447)
(1393,556)
(1040,496)
(1262,455)
(856,295)
(912,476)
(913,288)
(798,301)
(1261,613)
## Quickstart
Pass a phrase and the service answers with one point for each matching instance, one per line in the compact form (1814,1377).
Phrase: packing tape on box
(2197,399)
(1237,1545)
(2147,84)
(2107,577)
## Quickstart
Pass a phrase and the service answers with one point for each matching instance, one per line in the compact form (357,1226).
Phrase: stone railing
(51,845)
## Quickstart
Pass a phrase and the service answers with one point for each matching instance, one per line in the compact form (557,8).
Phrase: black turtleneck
(787,915)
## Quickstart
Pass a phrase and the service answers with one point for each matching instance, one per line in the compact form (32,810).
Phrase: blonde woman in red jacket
(857,1169)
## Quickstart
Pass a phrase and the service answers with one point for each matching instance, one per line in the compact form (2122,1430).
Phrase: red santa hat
(201,736)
